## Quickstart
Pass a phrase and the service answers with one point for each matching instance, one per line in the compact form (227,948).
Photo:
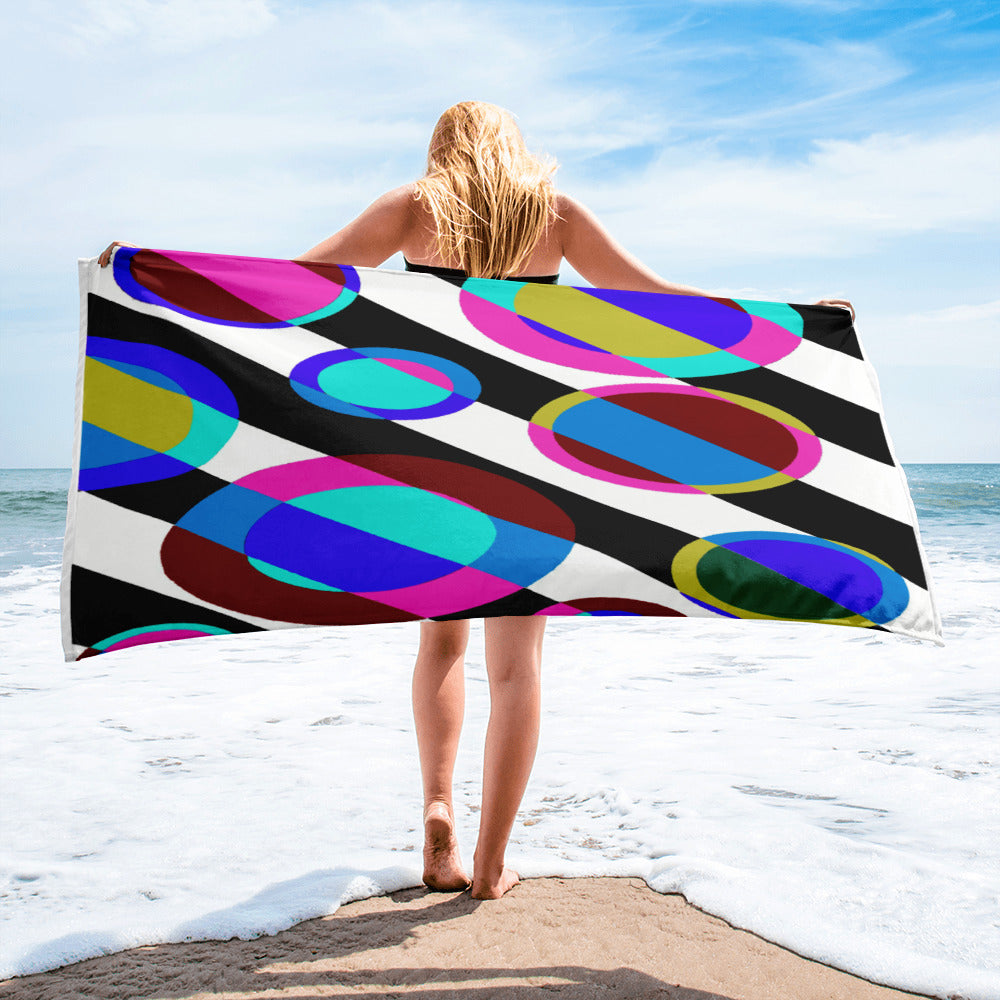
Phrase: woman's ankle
(438,809)
(493,886)
(487,868)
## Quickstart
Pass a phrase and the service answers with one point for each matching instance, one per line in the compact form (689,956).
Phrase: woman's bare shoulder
(569,207)
(574,221)
(395,211)
(405,192)
(375,235)
(572,216)
(402,198)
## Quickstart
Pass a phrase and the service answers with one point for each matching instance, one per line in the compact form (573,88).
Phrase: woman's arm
(374,236)
(603,261)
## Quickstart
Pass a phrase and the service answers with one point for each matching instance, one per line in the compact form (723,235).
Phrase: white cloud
(843,67)
(964,334)
(163,25)
(824,74)
(982,312)
(846,198)
(286,132)
(826,5)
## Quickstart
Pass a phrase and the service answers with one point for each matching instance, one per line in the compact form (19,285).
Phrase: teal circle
(408,516)
(372,383)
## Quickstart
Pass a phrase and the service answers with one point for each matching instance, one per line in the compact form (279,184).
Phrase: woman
(485,208)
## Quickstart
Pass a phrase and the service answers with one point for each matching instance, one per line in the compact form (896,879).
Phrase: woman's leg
(438,708)
(513,662)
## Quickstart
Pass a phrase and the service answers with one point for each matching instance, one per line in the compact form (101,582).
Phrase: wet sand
(570,938)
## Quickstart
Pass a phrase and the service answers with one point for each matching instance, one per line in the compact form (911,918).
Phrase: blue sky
(783,151)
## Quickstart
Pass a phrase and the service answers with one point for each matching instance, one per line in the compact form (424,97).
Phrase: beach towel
(267,443)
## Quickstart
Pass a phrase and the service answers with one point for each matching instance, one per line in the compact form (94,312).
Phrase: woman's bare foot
(443,870)
(494,887)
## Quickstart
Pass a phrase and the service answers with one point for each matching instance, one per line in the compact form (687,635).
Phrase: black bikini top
(454,272)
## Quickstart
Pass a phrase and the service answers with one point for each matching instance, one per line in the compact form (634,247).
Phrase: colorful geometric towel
(265,443)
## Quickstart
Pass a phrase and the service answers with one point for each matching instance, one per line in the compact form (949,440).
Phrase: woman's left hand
(105,257)
(839,303)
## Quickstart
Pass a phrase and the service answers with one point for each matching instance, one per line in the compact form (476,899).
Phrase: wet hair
(490,198)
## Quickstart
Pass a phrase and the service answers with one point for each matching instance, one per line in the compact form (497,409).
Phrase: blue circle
(312,380)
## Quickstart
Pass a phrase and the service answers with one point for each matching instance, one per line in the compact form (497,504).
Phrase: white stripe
(251,449)
(585,572)
(933,614)
(920,619)
(831,371)
(863,481)
(502,438)
(125,544)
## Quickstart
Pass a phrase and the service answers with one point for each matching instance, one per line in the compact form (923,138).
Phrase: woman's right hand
(105,257)
(837,304)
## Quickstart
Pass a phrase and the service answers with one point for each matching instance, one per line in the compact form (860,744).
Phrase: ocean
(833,790)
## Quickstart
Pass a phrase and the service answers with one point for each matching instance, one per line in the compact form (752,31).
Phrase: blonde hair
(490,198)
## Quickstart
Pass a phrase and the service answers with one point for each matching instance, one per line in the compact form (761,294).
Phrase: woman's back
(398,221)
(419,245)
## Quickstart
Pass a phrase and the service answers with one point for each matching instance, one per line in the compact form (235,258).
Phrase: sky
(772,150)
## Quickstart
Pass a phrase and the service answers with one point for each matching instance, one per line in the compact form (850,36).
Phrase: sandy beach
(580,937)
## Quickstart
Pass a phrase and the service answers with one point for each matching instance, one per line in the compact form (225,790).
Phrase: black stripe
(830,417)
(816,512)
(103,606)
(522,602)
(166,499)
(513,388)
(830,326)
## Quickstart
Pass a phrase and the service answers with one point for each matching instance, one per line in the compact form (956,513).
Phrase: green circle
(742,583)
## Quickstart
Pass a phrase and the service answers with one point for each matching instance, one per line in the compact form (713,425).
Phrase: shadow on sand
(314,959)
